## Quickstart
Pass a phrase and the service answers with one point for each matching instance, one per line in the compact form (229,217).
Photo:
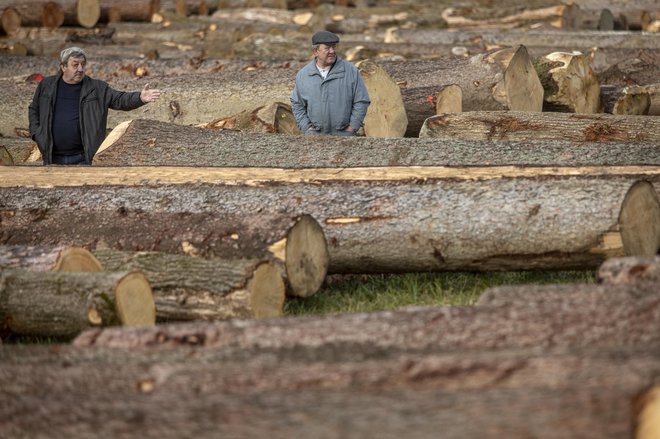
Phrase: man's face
(74,70)
(326,55)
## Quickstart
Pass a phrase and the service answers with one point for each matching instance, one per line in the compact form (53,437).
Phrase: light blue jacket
(330,105)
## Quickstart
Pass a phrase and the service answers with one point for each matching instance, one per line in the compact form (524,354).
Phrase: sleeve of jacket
(123,100)
(299,109)
(361,103)
(33,112)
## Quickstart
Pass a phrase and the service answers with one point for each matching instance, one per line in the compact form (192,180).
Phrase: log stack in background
(222,221)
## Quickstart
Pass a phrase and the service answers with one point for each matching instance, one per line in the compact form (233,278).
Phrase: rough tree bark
(630,100)
(569,83)
(501,80)
(374,219)
(51,258)
(534,126)
(62,304)
(276,117)
(192,288)
(150,143)
(134,10)
(631,269)
(55,13)
(173,223)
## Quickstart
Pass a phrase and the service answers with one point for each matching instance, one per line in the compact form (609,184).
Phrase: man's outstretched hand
(149,94)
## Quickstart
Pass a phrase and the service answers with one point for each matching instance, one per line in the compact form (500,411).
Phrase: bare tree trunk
(191,288)
(150,143)
(535,126)
(51,258)
(374,219)
(61,304)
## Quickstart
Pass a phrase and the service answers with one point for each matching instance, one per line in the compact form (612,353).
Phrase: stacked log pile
(486,147)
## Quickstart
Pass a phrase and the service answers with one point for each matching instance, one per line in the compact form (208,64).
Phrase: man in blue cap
(330,96)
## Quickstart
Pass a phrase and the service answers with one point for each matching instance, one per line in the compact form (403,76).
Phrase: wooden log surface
(535,126)
(193,288)
(501,80)
(585,317)
(62,304)
(374,220)
(630,269)
(21,149)
(470,394)
(629,100)
(5,157)
(143,142)
(52,258)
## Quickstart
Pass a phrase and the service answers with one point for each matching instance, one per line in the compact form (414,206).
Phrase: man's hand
(149,94)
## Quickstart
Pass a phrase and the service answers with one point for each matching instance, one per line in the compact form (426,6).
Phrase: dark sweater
(66,120)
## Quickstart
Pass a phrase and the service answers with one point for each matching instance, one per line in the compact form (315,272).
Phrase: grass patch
(365,293)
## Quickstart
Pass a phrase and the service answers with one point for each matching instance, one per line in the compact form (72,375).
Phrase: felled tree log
(10,21)
(150,143)
(62,304)
(374,220)
(569,83)
(631,10)
(471,394)
(386,116)
(533,126)
(615,271)
(134,10)
(192,288)
(501,80)
(21,149)
(170,223)
(54,14)
(650,21)
(449,99)
(273,118)
(641,70)
(52,258)
(562,16)
(584,317)
(5,158)
(629,100)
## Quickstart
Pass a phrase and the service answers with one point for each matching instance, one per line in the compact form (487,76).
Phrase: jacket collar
(337,67)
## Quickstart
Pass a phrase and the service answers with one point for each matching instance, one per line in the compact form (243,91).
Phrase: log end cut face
(521,89)
(648,417)
(307,257)
(88,12)
(134,299)
(77,259)
(267,291)
(639,220)
(5,158)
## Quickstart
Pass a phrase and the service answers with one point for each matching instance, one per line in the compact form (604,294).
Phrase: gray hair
(75,52)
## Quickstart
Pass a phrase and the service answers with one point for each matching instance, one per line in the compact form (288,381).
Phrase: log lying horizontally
(190,288)
(501,80)
(62,304)
(630,100)
(374,219)
(150,143)
(48,258)
(470,394)
(535,126)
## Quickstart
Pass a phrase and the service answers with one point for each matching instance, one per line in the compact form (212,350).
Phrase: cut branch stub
(307,257)
(640,220)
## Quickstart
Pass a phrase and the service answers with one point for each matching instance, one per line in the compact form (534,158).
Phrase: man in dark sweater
(69,111)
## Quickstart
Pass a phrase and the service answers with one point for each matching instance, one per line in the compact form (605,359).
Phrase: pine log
(192,288)
(176,224)
(615,271)
(374,219)
(470,394)
(585,317)
(386,116)
(62,304)
(501,80)
(534,126)
(569,83)
(560,40)
(150,143)
(134,10)
(276,117)
(51,258)
(10,21)
(628,100)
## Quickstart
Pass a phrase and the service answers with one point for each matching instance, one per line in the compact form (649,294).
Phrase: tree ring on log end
(135,301)
(267,291)
(11,21)
(88,12)
(77,259)
(307,257)
(639,220)
(52,15)
(648,417)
